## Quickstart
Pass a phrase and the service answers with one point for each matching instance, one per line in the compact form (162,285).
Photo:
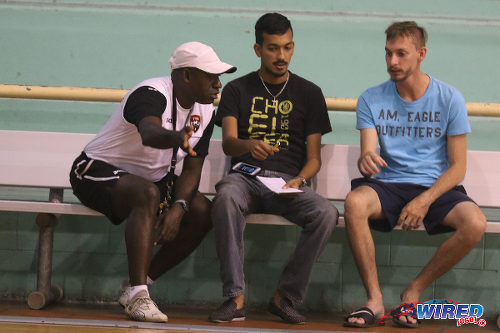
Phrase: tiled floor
(15,317)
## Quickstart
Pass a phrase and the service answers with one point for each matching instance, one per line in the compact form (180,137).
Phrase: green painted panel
(27,232)
(193,281)
(116,237)
(270,243)
(492,252)
(25,261)
(262,281)
(471,286)
(418,248)
(207,249)
(106,46)
(324,293)
(8,231)
(81,234)
(16,285)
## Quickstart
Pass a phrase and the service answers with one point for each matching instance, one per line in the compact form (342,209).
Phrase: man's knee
(356,207)
(132,193)
(147,194)
(321,216)
(228,210)
(200,209)
(201,205)
(472,227)
(227,196)
(468,221)
(329,218)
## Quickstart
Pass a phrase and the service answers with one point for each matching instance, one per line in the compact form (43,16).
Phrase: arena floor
(16,317)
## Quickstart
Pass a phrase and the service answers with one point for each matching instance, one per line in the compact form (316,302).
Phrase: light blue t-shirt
(413,135)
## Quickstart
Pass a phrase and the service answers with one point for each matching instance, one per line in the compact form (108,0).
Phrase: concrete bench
(42,160)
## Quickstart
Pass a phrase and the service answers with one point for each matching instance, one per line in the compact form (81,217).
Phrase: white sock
(149,282)
(135,289)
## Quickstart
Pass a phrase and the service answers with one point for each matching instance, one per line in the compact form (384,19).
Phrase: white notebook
(276,184)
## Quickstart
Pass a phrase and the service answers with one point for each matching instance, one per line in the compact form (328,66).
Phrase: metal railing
(116,95)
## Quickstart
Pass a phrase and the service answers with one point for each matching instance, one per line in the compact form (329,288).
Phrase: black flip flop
(363,313)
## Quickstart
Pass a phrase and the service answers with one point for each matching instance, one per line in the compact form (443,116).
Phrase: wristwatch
(304,181)
(184,204)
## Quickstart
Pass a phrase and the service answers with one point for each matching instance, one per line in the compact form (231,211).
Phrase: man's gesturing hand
(186,133)
(369,164)
(260,150)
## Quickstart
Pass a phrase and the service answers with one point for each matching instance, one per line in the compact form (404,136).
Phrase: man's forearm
(154,135)
(452,177)
(235,146)
(310,169)
(162,139)
(187,185)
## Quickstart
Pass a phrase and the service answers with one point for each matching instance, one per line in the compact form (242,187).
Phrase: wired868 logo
(449,309)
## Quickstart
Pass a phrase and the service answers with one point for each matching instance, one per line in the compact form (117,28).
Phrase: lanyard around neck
(174,122)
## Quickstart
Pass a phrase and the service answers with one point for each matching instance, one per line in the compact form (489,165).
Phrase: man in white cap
(127,172)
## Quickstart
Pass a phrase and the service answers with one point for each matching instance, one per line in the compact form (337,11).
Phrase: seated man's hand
(167,226)
(412,215)
(293,183)
(369,164)
(260,150)
(186,133)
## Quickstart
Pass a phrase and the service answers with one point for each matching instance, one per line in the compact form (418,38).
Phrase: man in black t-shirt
(274,120)
(129,167)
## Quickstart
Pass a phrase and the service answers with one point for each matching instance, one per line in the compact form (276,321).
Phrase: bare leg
(360,205)
(137,200)
(470,224)
(194,226)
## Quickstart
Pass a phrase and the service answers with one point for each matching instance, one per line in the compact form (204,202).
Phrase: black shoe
(286,311)
(227,312)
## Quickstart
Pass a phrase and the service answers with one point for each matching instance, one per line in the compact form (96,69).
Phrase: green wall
(339,46)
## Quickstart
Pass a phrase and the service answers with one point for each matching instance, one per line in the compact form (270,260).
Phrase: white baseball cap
(201,56)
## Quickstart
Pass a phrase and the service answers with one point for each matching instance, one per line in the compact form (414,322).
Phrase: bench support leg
(46,293)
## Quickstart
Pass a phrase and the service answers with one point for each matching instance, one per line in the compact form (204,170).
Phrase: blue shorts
(394,196)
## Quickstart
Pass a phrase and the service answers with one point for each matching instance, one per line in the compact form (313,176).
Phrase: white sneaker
(142,308)
(123,299)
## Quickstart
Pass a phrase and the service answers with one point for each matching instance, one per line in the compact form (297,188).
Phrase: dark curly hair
(273,24)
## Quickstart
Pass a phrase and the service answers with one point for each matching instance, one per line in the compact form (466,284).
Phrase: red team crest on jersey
(195,122)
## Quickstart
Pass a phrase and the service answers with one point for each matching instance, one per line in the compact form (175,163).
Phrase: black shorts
(92,180)
(394,196)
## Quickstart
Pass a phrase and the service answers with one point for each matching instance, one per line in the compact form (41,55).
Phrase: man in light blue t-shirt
(421,126)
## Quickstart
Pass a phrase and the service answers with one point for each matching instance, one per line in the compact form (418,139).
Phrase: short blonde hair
(408,29)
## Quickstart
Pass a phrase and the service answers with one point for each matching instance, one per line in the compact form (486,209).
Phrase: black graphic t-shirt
(300,110)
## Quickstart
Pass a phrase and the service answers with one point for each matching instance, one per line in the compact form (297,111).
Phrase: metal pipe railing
(116,95)
(62,93)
